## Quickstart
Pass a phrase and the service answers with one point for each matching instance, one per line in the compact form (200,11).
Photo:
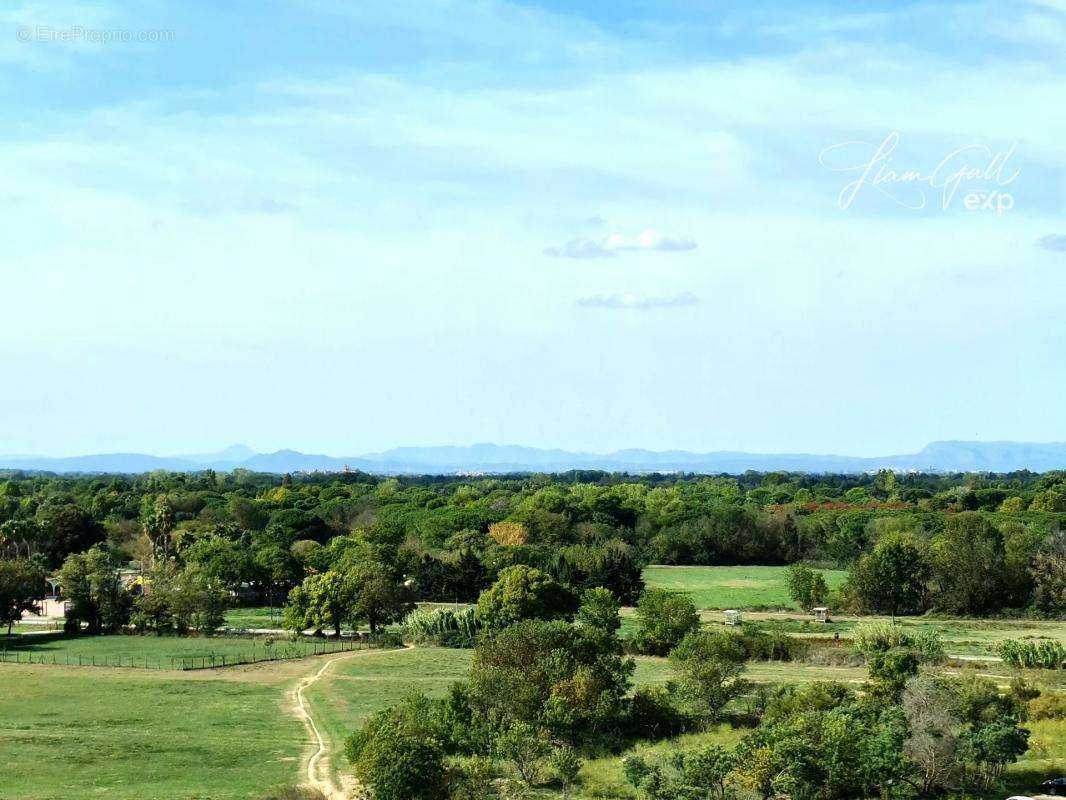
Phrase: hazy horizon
(252,450)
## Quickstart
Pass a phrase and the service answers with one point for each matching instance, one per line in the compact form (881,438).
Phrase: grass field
(355,688)
(973,637)
(80,733)
(219,734)
(74,733)
(156,652)
(732,587)
(253,617)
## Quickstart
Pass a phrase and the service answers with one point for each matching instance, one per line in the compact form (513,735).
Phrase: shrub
(652,713)
(1038,654)
(1049,705)
(709,666)
(444,627)
(473,779)
(760,645)
(396,760)
(880,637)
(664,619)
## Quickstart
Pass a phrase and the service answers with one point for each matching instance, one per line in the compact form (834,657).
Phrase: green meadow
(732,587)
(154,652)
(70,733)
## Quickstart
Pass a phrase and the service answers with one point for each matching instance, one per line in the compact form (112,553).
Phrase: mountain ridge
(940,456)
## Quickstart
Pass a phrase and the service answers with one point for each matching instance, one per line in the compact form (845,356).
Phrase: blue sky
(341,227)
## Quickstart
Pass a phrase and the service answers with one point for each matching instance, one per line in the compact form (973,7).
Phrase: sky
(338,227)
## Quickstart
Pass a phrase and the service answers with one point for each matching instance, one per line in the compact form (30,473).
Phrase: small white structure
(821,614)
(732,617)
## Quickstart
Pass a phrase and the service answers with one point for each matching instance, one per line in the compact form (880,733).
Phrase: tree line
(967,544)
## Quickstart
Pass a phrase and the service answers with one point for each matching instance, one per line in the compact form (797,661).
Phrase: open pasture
(79,733)
(157,652)
(732,587)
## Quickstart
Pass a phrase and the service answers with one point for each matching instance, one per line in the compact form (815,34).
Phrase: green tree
(823,743)
(806,587)
(709,667)
(663,620)
(223,559)
(321,602)
(526,748)
(66,528)
(599,609)
(396,760)
(1048,573)
(549,674)
(968,565)
(1049,500)
(157,519)
(20,537)
(91,585)
(566,765)
(377,595)
(21,587)
(179,599)
(893,578)
(523,593)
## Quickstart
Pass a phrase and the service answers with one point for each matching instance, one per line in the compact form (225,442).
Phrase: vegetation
(136,734)
(664,619)
(20,589)
(444,627)
(722,587)
(1042,654)
(806,587)
(538,693)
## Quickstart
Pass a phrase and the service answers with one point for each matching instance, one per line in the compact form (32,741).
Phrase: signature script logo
(975,170)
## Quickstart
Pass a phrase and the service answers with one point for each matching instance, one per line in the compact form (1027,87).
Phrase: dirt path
(317,771)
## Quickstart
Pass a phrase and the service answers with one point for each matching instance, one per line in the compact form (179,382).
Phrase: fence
(280,651)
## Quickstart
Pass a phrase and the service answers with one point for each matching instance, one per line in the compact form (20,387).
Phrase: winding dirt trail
(317,771)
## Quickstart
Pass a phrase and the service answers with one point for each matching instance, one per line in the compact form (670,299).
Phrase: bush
(652,713)
(473,779)
(880,637)
(396,760)
(1049,705)
(1038,654)
(709,668)
(664,619)
(443,627)
(760,645)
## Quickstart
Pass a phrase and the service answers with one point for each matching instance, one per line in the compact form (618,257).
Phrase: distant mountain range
(936,457)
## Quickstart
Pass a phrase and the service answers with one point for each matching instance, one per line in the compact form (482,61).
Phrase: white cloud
(647,240)
(580,248)
(631,302)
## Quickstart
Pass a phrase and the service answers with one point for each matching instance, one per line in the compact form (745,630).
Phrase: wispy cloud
(638,303)
(1055,242)
(647,241)
(580,248)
